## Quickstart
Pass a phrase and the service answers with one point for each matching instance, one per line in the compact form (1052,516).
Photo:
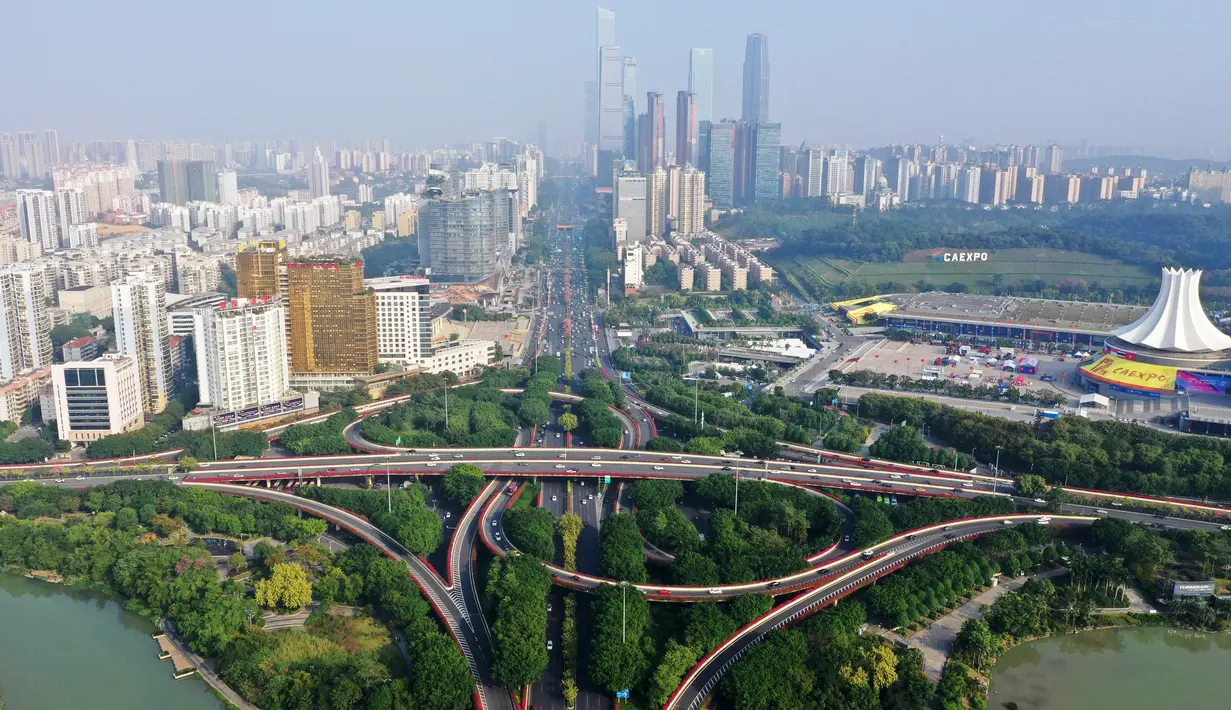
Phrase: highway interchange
(545,457)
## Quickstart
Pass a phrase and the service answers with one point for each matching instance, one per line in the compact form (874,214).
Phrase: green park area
(1005,267)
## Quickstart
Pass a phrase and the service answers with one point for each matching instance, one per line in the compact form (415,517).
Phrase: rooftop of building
(79,289)
(80,342)
(1012,310)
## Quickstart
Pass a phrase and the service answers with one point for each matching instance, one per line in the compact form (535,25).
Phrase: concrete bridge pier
(318,481)
(367,481)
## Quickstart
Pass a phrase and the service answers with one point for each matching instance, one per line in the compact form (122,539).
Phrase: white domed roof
(1176,320)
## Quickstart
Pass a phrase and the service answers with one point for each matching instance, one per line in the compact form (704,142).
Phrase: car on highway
(1040,501)
(548,644)
(584,501)
(596,465)
(1225,528)
(560,456)
(553,499)
(664,592)
(1100,511)
(559,465)
(918,489)
(867,554)
(895,475)
(715,591)
(497,536)
(82,478)
(658,468)
(431,464)
(596,458)
(775,584)
(520,454)
(686,461)
(1006,522)
(493,522)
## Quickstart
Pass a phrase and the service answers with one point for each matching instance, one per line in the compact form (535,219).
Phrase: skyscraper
(10,157)
(25,327)
(629,199)
(720,179)
(404,321)
(630,128)
(318,176)
(332,317)
(610,99)
(685,129)
(653,134)
(36,217)
(260,270)
(139,305)
(461,239)
(605,28)
(701,81)
(591,112)
(756,79)
(629,81)
(242,355)
(71,206)
(767,185)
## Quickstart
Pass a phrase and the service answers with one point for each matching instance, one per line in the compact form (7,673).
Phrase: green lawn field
(1015,266)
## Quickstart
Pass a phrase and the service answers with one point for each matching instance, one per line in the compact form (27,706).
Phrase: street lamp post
(996,476)
(388,490)
(623,611)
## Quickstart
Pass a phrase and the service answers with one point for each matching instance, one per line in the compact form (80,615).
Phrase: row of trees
(826,664)
(321,439)
(905,443)
(477,416)
(1107,455)
(403,513)
(517,587)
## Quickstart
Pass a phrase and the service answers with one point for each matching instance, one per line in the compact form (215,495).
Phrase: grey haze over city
(1149,77)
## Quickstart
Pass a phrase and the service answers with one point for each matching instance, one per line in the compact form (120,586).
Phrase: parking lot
(913,360)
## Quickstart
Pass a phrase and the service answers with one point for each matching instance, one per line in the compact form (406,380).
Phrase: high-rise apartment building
(10,157)
(318,176)
(51,147)
(97,398)
(689,200)
(969,184)
(184,181)
(25,328)
(139,306)
(756,79)
(462,239)
(36,218)
(701,81)
(71,206)
(241,353)
(685,129)
(403,319)
(630,204)
(228,187)
(837,173)
(332,317)
(1055,159)
(656,196)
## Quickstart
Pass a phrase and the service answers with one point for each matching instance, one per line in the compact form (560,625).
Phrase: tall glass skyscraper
(767,184)
(720,178)
(701,81)
(756,79)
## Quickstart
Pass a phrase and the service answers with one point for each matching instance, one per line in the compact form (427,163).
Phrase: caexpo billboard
(1129,376)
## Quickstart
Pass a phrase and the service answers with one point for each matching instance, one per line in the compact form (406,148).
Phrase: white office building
(97,398)
(241,353)
(140,309)
(403,319)
(630,203)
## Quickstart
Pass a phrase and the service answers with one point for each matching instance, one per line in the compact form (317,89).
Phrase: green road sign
(606,479)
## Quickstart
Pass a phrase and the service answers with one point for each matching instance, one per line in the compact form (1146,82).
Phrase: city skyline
(859,100)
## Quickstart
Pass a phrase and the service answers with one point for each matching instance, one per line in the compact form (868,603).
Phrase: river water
(1120,669)
(63,649)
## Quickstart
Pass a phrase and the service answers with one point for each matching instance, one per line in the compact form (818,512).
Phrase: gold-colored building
(259,271)
(332,317)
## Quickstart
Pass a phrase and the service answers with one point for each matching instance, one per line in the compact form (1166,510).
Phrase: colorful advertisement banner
(1203,382)
(1131,375)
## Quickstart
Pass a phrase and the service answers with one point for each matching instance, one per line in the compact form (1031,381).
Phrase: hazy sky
(1132,72)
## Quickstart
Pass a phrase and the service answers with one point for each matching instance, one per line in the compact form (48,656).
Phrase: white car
(497,536)
(557,435)
(894,475)
(1100,511)
(812,470)
(591,496)
(559,465)
(431,464)
(968,485)
(686,461)
(493,522)
(596,465)
(715,591)
(82,478)
(173,478)
(553,499)
(584,501)
(658,468)
(549,640)
(1040,501)
(596,458)
(520,454)
(560,456)
(457,456)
